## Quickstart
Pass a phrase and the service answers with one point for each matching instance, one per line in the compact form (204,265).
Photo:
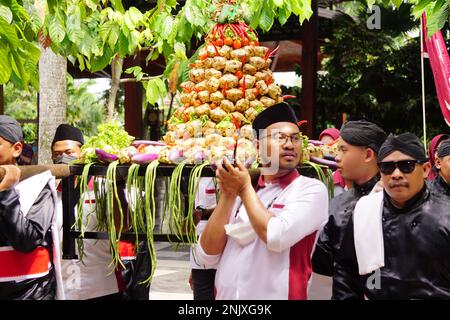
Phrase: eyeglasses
(405,166)
(282,138)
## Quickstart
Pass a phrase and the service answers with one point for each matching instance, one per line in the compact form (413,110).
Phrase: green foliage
(19,54)
(437,12)
(376,74)
(22,104)
(84,109)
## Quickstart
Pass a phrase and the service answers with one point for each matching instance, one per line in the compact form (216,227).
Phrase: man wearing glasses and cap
(262,238)
(398,244)
(28,267)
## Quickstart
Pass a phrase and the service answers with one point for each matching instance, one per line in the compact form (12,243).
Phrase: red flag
(436,49)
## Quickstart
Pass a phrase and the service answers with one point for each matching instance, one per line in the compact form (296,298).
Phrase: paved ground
(171,277)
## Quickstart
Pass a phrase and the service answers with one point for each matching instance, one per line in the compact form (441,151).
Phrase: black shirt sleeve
(26,233)
(322,260)
(347,283)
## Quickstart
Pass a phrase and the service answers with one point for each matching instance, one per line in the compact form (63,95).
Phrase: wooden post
(309,72)
(133,102)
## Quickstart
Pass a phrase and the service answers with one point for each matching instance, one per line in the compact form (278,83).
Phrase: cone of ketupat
(230,83)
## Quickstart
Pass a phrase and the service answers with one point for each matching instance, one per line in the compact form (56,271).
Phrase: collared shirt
(92,277)
(205,198)
(281,268)
(340,213)
(440,187)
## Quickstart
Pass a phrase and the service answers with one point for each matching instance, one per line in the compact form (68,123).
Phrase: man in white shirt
(93,277)
(272,229)
(202,277)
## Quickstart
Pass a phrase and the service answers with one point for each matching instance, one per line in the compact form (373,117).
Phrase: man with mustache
(441,185)
(262,238)
(358,146)
(398,244)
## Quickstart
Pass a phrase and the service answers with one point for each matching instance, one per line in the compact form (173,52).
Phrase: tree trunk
(116,72)
(52,100)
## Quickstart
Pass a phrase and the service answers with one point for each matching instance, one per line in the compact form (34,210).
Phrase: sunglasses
(405,166)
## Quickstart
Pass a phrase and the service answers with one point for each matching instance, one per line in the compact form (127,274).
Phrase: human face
(400,186)
(443,165)
(9,152)
(68,147)
(353,160)
(327,139)
(286,151)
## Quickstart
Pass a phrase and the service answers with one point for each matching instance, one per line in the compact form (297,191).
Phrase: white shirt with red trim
(281,268)
(94,276)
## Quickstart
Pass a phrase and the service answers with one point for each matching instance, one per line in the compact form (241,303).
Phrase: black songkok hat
(280,112)
(68,132)
(363,133)
(10,129)
(406,143)
(444,149)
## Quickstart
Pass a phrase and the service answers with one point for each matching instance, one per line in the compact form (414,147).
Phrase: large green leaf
(133,41)
(31,50)
(283,14)
(117,4)
(9,32)
(105,29)
(18,68)
(122,44)
(5,66)
(6,13)
(161,87)
(167,27)
(19,13)
(132,18)
(267,16)
(113,35)
(56,30)
(152,92)
(99,63)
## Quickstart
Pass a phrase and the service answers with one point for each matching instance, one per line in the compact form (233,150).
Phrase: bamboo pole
(60,171)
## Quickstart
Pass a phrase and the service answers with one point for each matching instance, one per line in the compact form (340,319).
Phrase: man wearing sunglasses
(398,244)
(358,147)
(441,185)
(262,237)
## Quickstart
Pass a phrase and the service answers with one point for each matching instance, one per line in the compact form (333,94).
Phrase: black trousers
(203,281)
(137,271)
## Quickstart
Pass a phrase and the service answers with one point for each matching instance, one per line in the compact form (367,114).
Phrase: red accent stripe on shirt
(126,249)
(300,267)
(210,191)
(278,206)
(14,263)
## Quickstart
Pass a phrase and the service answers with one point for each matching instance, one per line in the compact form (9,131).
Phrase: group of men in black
(388,237)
